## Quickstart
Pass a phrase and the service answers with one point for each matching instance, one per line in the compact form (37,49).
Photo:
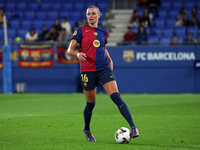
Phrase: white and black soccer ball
(122,135)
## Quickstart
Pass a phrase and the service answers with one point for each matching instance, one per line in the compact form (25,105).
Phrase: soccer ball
(122,135)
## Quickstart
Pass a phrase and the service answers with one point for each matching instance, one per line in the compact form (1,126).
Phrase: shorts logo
(128,56)
(96,43)
(75,33)
(95,33)
(85,84)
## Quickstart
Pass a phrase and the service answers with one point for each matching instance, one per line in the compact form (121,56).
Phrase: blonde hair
(95,8)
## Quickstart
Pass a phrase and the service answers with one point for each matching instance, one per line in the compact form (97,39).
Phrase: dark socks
(123,108)
(88,114)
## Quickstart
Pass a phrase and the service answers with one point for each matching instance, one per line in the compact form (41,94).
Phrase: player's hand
(81,56)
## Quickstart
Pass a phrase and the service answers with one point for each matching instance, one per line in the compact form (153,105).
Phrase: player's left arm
(109,58)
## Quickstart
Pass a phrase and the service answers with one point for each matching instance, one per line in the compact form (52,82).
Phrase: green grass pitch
(55,121)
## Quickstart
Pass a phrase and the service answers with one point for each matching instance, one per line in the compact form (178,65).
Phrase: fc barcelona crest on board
(128,56)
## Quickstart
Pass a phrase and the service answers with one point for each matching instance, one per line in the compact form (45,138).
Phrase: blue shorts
(90,79)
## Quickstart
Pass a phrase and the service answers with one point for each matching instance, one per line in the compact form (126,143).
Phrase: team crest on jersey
(75,33)
(96,43)
(95,33)
(128,56)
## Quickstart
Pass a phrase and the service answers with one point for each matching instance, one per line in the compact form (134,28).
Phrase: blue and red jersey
(92,41)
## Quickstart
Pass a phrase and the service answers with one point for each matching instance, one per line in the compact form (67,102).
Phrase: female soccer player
(96,65)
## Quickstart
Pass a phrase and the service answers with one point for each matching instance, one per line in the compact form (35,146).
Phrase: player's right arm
(71,51)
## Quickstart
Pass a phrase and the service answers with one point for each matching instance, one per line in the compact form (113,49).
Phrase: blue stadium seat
(168,32)
(48,23)
(170,22)
(189,4)
(90,4)
(10,6)
(41,15)
(64,13)
(29,15)
(11,32)
(68,6)
(37,24)
(53,15)
(173,13)
(79,6)
(166,4)
(22,33)
(22,6)
(2,4)
(103,6)
(180,31)
(160,22)
(177,4)
(33,6)
(19,13)
(135,29)
(156,31)
(193,30)
(45,6)
(75,15)
(15,23)
(153,40)
(165,40)
(56,6)
(26,24)
(163,13)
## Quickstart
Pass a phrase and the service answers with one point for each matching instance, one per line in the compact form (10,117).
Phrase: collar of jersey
(92,27)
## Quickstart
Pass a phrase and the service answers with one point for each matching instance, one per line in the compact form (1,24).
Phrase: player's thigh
(111,87)
(89,80)
(90,95)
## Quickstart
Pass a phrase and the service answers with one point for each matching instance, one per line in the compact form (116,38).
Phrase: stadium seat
(10,6)
(26,24)
(173,13)
(153,40)
(37,24)
(22,6)
(11,32)
(48,23)
(103,6)
(180,31)
(177,5)
(33,6)
(168,32)
(159,22)
(64,14)
(67,6)
(156,31)
(29,15)
(163,13)
(165,40)
(79,6)
(2,4)
(19,13)
(170,22)
(193,30)
(76,16)
(15,23)
(166,4)
(41,15)
(90,4)
(56,6)
(22,33)
(45,6)
(53,15)
(135,29)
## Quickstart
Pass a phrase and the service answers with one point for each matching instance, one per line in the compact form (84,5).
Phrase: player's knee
(116,98)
